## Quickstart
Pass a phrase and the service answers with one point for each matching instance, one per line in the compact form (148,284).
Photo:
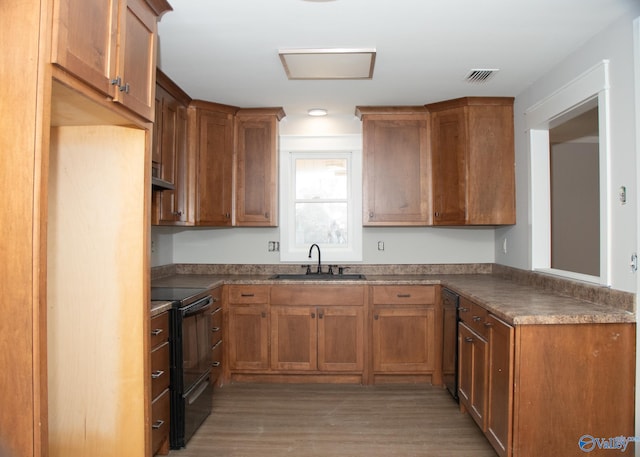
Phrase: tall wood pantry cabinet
(396,169)
(75,149)
(473,161)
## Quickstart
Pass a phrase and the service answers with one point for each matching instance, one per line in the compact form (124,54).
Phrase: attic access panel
(328,63)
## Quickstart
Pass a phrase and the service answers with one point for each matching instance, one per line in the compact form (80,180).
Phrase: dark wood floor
(270,420)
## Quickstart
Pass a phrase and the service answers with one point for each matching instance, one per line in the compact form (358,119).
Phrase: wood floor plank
(335,420)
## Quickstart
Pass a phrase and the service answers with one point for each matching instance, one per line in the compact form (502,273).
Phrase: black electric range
(181,296)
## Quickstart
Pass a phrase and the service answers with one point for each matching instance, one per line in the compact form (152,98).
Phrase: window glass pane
(322,223)
(321,179)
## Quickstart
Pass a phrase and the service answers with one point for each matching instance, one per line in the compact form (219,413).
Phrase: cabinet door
(214,168)
(472,370)
(256,170)
(500,389)
(248,337)
(84,40)
(340,338)
(449,162)
(403,339)
(396,170)
(136,60)
(293,338)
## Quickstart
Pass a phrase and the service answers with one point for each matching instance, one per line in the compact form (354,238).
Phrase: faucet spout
(319,264)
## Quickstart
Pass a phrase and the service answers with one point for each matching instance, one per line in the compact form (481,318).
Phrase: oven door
(196,338)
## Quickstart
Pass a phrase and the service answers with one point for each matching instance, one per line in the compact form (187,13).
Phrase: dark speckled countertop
(515,303)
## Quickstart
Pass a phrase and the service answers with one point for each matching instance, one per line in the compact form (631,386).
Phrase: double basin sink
(319,277)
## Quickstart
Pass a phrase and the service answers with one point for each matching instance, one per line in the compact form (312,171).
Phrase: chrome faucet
(319,265)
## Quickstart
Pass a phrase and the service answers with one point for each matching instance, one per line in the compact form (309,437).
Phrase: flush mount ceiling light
(317,112)
(328,63)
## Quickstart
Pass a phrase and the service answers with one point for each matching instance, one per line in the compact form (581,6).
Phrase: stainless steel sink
(319,277)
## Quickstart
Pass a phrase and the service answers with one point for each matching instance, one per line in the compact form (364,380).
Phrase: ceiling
(226,51)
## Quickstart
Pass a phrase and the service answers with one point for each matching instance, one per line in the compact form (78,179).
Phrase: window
(321,198)
(570,212)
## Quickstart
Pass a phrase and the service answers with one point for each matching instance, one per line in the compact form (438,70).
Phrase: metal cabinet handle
(215,364)
(216,345)
(157,331)
(215,329)
(320,315)
(157,424)
(370,213)
(157,374)
(477,318)
(404,295)
(468,339)
(117,81)
(376,317)
(313,315)
(217,310)
(264,314)
(247,295)
(124,88)
(463,310)
(488,324)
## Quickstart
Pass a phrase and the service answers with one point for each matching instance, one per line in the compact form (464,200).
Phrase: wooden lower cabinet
(535,390)
(309,338)
(472,370)
(159,344)
(405,340)
(249,337)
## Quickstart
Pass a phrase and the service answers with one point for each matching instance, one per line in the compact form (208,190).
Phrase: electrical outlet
(504,246)
(153,246)
(380,245)
(273,246)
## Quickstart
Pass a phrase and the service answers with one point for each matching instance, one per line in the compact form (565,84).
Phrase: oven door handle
(197,307)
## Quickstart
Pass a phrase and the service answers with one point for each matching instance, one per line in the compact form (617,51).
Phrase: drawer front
(159,329)
(160,420)
(216,361)
(216,325)
(159,369)
(404,295)
(248,294)
(328,295)
(474,315)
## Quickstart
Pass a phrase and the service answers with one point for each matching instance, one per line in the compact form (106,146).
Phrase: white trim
(580,92)
(349,146)
(636,58)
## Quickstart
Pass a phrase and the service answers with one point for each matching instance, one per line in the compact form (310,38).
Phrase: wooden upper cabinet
(211,135)
(110,45)
(256,186)
(396,168)
(473,161)
(170,158)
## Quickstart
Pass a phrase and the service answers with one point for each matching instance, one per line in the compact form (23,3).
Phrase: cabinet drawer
(404,295)
(317,295)
(216,361)
(159,369)
(160,420)
(248,294)
(159,329)
(216,325)
(474,315)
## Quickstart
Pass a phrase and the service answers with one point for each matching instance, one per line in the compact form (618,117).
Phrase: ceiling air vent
(480,75)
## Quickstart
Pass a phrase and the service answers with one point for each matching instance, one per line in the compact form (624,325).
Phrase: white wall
(413,245)
(615,44)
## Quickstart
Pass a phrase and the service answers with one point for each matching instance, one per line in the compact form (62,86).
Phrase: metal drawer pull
(157,331)
(313,315)
(404,295)
(469,339)
(488,324)
(215,329)
(215,364)
(463,310)
(157,374)
(218,309)
(157,424)
(263,314)
(216,345)
(247,295)
(477,318)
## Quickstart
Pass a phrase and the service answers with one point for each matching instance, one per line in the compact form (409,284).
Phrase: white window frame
(594,83)
(343,146)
